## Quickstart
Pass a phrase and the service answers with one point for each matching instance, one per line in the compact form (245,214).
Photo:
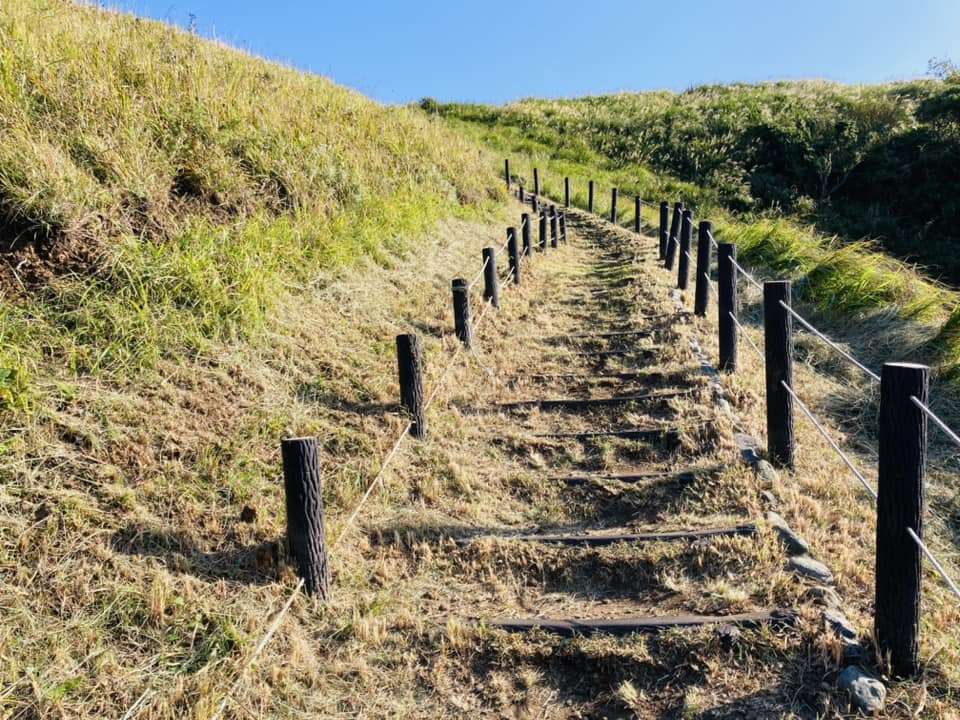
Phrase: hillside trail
(559,508)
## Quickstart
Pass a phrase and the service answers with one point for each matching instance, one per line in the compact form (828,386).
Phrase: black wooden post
(727,306)
(637,207)
(566,192)
(554,226)
(535,203)
(686,238)
(673,240)
(543,230)
(410,368)
(778,362)
(701,297)
(520,194)
(900,505)
(563,226)
(513,253)
(613,205)
(664,232)
(506,171)
(461,312)
(306,538)
(536,182)
(590,196)
(525,233)
(491,281)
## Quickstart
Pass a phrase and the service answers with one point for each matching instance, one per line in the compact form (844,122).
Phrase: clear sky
(494,51)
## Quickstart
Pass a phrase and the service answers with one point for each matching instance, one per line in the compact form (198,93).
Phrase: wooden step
(621,626)
(604,539)
(557,403)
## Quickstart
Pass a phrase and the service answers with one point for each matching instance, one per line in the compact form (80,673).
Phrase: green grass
(844,283)
(162,192)
(871,161)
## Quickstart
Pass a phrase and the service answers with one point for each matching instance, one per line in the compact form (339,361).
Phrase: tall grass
(160,192)
(845,283)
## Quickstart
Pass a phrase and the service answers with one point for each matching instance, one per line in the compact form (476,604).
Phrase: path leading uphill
(587,542)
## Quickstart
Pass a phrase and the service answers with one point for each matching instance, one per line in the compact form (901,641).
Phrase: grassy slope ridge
(188,184)
(851,286)
(175,218)
(875,160)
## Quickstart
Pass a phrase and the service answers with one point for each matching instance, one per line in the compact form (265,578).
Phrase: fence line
(806,410)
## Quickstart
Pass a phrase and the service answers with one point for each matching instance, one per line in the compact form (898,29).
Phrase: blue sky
(496,51)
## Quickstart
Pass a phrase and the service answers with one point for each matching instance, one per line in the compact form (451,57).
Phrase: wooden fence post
(554,226)
(410,370)
(461,312)
(566,192)
(613,205)
(306,537)
(701,297)
(543,230)
(520,194)
(534,203)
(590,196)
(506,171)
(513,252)
(778,367)
(563,226)
(900,505)
(491,281)
(664,232)
(683,262)
(727,306)
(536,182)
(672,241)
(526,232)
(637,207)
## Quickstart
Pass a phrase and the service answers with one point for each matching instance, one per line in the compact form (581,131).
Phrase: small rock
(766,472)
(769,498)
(248,514)
(795,544)
(808,567)
(866,693)
(838,622)
(729,635)
(823,595)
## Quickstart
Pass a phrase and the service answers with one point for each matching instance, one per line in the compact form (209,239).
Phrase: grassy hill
(860,161)
(888,307)
(175,217)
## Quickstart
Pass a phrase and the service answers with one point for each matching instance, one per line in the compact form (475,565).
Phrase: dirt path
(599,322)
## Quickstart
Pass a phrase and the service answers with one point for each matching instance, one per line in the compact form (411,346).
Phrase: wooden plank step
(570,627)
(597,336)
(557,403)
(630,433)
(618,353)
(688,475)
(604,539)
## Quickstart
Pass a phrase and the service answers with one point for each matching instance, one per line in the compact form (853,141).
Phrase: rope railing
(937,421)
(936,563)
(797,316)
(479,275)
(746,336)
(823,431)
(750,278)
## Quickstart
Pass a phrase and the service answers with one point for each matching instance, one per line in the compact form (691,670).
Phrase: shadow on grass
(260,563)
